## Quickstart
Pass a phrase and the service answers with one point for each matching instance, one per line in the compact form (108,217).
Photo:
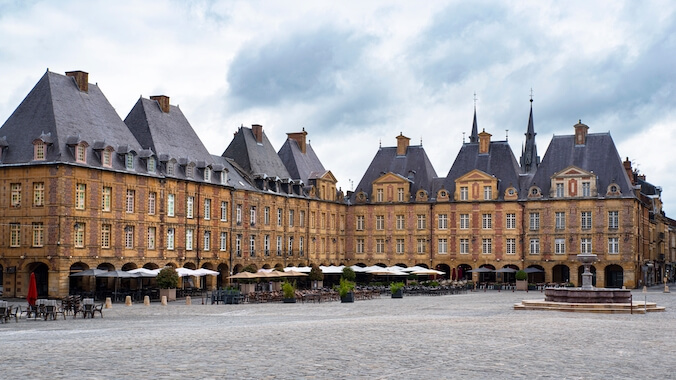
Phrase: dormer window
(151,165)
(224,177)
(80,153)
(106,159)
(171,168)
(39,151)
(129,161)
(207,174)
(190,170)
(534,192)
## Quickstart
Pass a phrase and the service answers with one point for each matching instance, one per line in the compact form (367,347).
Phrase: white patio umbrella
(206,272)
(428,272)
(182,272)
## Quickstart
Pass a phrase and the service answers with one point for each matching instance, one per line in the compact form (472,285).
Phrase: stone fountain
(587,293)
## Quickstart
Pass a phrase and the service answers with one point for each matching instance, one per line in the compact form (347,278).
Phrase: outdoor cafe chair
(97,309)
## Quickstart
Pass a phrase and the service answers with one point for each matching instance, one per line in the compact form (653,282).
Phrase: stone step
(610,308)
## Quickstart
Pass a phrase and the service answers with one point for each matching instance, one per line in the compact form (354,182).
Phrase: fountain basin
(579,295)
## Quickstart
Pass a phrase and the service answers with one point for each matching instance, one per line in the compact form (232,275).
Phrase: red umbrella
(453,274)
(459,273)
(32,291)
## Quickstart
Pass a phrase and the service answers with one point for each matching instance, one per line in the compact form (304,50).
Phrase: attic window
(39,151)
(151,165)
(80,153)
(207,174)
(106,158)
(224,177)
(171,167)
(129,161)
(190,170)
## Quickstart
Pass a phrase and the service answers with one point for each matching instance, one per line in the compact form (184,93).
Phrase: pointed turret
(474,137)
(529,155)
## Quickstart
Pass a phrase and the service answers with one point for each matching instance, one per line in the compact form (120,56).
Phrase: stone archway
(580,270)
(41,271)
(560,274)
(446,269)
(614,276)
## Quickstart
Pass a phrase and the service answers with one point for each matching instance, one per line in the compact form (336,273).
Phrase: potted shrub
(289,292)
(349,274)
(316,276)
(167,281)
(397,289)
(521,280)
(345,290)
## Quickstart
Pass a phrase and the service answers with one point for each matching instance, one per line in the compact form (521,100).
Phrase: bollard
(164,300)
(146,300)
(127,300)
(109,303)
(188,300)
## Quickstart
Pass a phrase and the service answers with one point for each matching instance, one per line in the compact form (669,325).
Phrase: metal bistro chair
(87,308)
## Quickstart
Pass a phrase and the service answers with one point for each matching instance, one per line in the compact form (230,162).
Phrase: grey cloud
(298,67)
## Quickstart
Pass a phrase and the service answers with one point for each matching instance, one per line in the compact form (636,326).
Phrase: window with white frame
(266,245)
(379,195)
(290,246)
(486,246)
(151,202)
(80,196)
(586,189)
(400,246)
(279,245)
(534,221)
(360,246)
(151,237)
(400,222)
(106,198)
(510,221)
(422,245)
(301,218)
(150,165)
(207,174)
(422,221)
(107,158)
(189,206)
(486,221)
(38,235)
(223,246)
(266,215)
(171,201)
(238,245)
(130,201)
(613,245)
(39,151)
(189,239)
(586,245)
(464,221)
(586,220)
(207,209)
(463,193)
(238,214)
(15,197)
(14,235)
(559,190)
(488,193)
(511,246)
(360,222)
(171,168)
(252,245)
(380,245)
(442,247)
(79,235)
(38,194)
(443,221)
(534,246)
(559,246)
(129,161)
(80,153)
(464,246)
(224,177)
(400,194)
(224,211)
(291,218)
(190,170)
(252,215)
(380,222)
(170,239)
(105,235)
(613,219)
(129,237)
(206,240)
(560,220)
(279,217)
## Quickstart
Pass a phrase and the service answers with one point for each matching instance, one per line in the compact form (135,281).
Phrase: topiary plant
(316,273)
(521,275)
(345,287)
(167,278)
(348,274)
(289,290)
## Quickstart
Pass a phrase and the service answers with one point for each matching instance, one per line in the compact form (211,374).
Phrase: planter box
(398,294)
(521,285)
(289,300)
(349,297)
(170,293)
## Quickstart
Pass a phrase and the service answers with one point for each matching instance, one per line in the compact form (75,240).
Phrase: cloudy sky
(355,74)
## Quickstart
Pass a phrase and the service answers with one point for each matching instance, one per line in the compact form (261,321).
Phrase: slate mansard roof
(414,165)
(598,155)
(498,162)
(301,166)
(259,159)
(58,113)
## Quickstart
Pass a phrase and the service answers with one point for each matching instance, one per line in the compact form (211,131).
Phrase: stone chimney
(581,133)
(627,168)
(299,137)
(257,130)
(163,101)
(484,142)
(402,144)
(81,78)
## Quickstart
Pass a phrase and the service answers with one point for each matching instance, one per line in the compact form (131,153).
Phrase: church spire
(474,137)
(529,154)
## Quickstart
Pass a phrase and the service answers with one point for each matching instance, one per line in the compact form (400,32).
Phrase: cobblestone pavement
(471,336)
